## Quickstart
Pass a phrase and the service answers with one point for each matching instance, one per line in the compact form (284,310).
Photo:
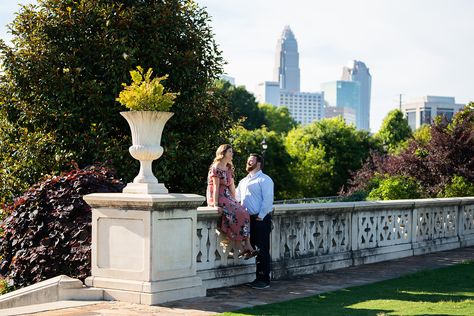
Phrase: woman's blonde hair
(220,153)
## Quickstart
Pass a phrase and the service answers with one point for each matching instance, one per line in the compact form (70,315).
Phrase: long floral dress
(235,218)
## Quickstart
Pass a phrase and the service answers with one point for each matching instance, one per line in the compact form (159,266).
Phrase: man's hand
(259,219)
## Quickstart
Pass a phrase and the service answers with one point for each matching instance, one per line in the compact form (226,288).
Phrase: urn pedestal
(143,246)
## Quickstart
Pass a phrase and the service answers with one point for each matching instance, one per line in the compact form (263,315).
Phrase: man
(255,192)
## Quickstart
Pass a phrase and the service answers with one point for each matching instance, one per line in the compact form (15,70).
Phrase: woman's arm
(215,186)
(232,188)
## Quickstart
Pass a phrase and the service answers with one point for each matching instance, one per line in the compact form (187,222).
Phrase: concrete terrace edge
(55,289)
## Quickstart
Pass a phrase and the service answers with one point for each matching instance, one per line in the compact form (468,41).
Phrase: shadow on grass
(445,291)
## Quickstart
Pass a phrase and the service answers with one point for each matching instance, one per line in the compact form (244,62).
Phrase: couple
(245,209)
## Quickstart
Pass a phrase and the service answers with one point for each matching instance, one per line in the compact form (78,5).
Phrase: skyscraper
(287,71)
(304,107)
(359,72)
(343,94)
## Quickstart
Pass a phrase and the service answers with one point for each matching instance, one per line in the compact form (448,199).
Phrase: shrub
(395,188)
(459,186)
(48,230)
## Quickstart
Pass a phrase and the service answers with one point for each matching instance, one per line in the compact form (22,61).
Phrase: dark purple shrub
(48,229)
(448,153)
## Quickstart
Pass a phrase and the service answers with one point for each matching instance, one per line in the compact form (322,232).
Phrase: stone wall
(308,238)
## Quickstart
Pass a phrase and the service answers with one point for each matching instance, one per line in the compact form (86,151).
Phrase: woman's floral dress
(235,218)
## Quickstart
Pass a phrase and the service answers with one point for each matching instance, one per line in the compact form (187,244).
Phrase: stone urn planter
(146,128)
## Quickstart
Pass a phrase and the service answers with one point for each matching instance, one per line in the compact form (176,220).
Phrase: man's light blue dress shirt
(255,193)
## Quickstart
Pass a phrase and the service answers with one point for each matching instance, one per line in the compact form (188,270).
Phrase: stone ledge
(55,289)
(144,202)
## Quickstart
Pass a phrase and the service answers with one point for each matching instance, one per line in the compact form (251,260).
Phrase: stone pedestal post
(143,246)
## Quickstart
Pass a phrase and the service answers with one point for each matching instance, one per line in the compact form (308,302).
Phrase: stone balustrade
(308,238)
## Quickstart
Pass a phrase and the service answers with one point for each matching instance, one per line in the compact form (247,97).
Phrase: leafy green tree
(278,118)
(65,68)
(242,104)
(423,134)
(394,131)
(312,172)
(277,161)
(332,149)
(395,188)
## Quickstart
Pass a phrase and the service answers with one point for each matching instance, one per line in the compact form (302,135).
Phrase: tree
(243,105)
(278,118)
(277,161)
(442,162)
(313,173)
(422,134)
(65,69)
(394,131)
(338,148)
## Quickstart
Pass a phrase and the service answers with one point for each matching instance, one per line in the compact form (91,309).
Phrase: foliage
(65,68)
(458,186)
(22,156)
(145,94)
(4,288)
(395,188)
(278,118)
(423,134)
(324,154)
(48,228)
(277,161)
(394,131)
(243,106)
(444,291)
(431,161)
(312,172)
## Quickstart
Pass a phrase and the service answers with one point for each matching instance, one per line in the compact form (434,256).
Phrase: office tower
(344,94)
(358,72)
(304,107)
(423,110)
(348,114)
(287,71)
(268,92)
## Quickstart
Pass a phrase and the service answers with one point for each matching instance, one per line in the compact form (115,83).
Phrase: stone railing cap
(147,201)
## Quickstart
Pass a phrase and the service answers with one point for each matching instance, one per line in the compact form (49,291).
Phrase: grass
(445,291)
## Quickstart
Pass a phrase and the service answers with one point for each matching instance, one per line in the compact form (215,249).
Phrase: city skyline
(413,48)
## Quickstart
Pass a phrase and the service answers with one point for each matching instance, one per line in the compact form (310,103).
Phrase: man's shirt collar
(250,176)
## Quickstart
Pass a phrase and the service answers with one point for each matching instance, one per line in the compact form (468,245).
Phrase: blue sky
(412,47)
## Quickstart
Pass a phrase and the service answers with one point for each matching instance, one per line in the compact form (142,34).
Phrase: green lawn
(445,291)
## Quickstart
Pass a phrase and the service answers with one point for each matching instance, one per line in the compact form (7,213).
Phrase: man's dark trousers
(260,238)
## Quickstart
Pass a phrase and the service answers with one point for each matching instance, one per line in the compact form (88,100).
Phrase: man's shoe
(252,283)
(260,285)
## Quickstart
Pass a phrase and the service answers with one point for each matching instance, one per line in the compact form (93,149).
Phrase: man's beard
(250,168)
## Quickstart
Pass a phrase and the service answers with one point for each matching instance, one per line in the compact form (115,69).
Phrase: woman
(221,193)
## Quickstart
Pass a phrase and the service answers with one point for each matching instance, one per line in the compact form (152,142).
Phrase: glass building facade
(344,94)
